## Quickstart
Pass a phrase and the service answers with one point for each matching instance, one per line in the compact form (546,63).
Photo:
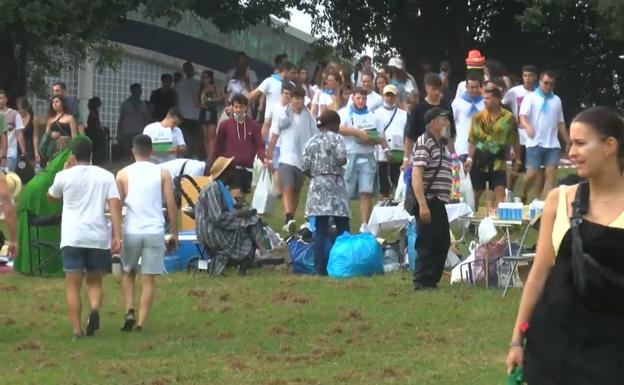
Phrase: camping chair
(521,256)
(38,221)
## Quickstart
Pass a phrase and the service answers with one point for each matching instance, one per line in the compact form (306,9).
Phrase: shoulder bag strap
(391,119)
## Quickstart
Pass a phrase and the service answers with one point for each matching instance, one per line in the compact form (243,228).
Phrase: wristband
(515,344)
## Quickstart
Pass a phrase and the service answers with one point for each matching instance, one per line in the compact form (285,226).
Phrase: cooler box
(178,261)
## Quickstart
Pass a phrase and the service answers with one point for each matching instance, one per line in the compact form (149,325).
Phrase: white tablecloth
(395,217)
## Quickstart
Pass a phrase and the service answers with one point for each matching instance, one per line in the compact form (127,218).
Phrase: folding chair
(520,257)
(38,221)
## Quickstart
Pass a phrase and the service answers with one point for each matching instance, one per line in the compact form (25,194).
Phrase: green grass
(270,328)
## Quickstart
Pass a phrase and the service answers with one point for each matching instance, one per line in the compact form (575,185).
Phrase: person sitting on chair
(227,231)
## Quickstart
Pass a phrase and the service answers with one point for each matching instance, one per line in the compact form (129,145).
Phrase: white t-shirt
(193,167)
(544,122)
(164,139)
(12,133)
(395,131)
(271,87)
(463,121)
(188,90)
(85,191)
(513,98)
(365,122)
(322,98)
(461,88)
(144,214)
(373,101)
(293,137)
(276,111)
(253,78)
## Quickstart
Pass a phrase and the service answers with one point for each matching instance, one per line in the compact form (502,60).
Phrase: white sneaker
(290,227)
(364,228)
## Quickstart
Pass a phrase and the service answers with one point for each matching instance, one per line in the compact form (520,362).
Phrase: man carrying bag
(426,199)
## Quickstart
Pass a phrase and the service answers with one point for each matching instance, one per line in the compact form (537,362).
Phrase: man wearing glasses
(542,117)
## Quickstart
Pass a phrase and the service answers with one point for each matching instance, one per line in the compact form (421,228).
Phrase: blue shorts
(538,157)
(82,259)
(360,174)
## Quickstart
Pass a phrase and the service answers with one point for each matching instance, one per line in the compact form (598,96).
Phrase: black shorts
(494,178)
(242,180)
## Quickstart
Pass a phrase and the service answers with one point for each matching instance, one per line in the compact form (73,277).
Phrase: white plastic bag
(399,193)
(263,199)
(487,230)
(463,269)
(258,166)
(465,188)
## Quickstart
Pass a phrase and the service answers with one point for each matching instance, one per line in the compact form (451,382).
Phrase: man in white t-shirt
(271,88)
(87,192)
(12,133)
(513,99)
(143,187)
(183,166)
(373,99)
(167,138)
(541,115)
(464,108)
(390,120)
(187,90)
(359,129)
(294,126)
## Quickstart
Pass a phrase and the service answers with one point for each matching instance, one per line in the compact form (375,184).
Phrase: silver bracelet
(515,344)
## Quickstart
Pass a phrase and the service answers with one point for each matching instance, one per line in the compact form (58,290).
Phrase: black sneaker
(93,322)
(129,321)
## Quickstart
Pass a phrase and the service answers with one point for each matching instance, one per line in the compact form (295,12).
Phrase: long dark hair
(51,111)
(23,103)
(607,123)
(209,73)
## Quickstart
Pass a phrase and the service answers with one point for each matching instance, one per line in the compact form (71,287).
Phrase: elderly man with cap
(431,184)
(323,158)
(390,120)
(408,92)
(228,230)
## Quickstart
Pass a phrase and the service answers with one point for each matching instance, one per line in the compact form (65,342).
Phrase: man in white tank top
(142,186)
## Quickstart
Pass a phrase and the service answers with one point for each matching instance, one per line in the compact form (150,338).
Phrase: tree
(580,39)
(41,37)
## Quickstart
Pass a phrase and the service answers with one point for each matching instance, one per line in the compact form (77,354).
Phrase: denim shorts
(82,259)
(360,174)
(149,248)
(538,157)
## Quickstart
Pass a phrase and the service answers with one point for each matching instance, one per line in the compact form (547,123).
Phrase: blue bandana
(329,91)
(227,197)
(546,97)
(357,111)
(473,102)
(277,77)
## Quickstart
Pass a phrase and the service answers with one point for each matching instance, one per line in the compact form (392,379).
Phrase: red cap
(475,59)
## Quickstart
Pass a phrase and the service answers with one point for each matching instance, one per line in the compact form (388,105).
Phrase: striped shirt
(426,155)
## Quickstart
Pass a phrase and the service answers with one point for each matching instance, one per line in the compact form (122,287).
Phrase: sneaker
(290,227)
(93,322)
(129,321)
(364,228)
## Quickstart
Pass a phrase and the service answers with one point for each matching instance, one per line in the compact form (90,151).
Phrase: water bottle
(508,195)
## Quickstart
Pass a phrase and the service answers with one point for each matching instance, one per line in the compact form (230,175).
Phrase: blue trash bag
(411,244)
(301,256)
(355,256)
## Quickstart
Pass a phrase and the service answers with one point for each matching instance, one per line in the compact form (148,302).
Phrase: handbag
(411,203)
(599,286)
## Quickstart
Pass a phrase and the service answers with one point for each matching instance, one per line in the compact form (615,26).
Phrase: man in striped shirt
(431,181)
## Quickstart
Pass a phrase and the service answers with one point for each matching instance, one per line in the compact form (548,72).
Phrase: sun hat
(391,89)
(396,62)
(475,60)
(14,183)
(219,165)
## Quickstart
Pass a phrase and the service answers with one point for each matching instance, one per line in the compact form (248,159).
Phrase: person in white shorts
(142,186)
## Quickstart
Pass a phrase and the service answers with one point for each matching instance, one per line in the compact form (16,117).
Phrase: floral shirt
(492,138)
(327,195)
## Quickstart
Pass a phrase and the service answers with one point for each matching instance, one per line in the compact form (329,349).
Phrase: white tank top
(144,214)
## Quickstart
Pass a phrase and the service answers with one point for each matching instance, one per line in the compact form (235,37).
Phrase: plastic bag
(262,199)
(301,256)
(463,273)
(411,244)
(399,193)
(258,166)
(355,256)
(465,188)
(487,230)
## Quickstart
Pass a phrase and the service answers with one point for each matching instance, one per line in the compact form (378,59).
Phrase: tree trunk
(13,76)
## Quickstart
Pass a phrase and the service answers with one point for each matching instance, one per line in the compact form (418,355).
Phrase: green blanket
(34,198)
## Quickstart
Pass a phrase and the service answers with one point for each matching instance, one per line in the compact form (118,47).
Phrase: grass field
(270,328)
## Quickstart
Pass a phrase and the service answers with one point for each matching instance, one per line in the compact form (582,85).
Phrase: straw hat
(219,165)
(14,183)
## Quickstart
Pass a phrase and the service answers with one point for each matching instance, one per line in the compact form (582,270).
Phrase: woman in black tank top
(61,127)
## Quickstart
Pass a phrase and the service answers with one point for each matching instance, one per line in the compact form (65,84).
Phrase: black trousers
(432,244)
(320,238)
(388,177)
(194,138)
